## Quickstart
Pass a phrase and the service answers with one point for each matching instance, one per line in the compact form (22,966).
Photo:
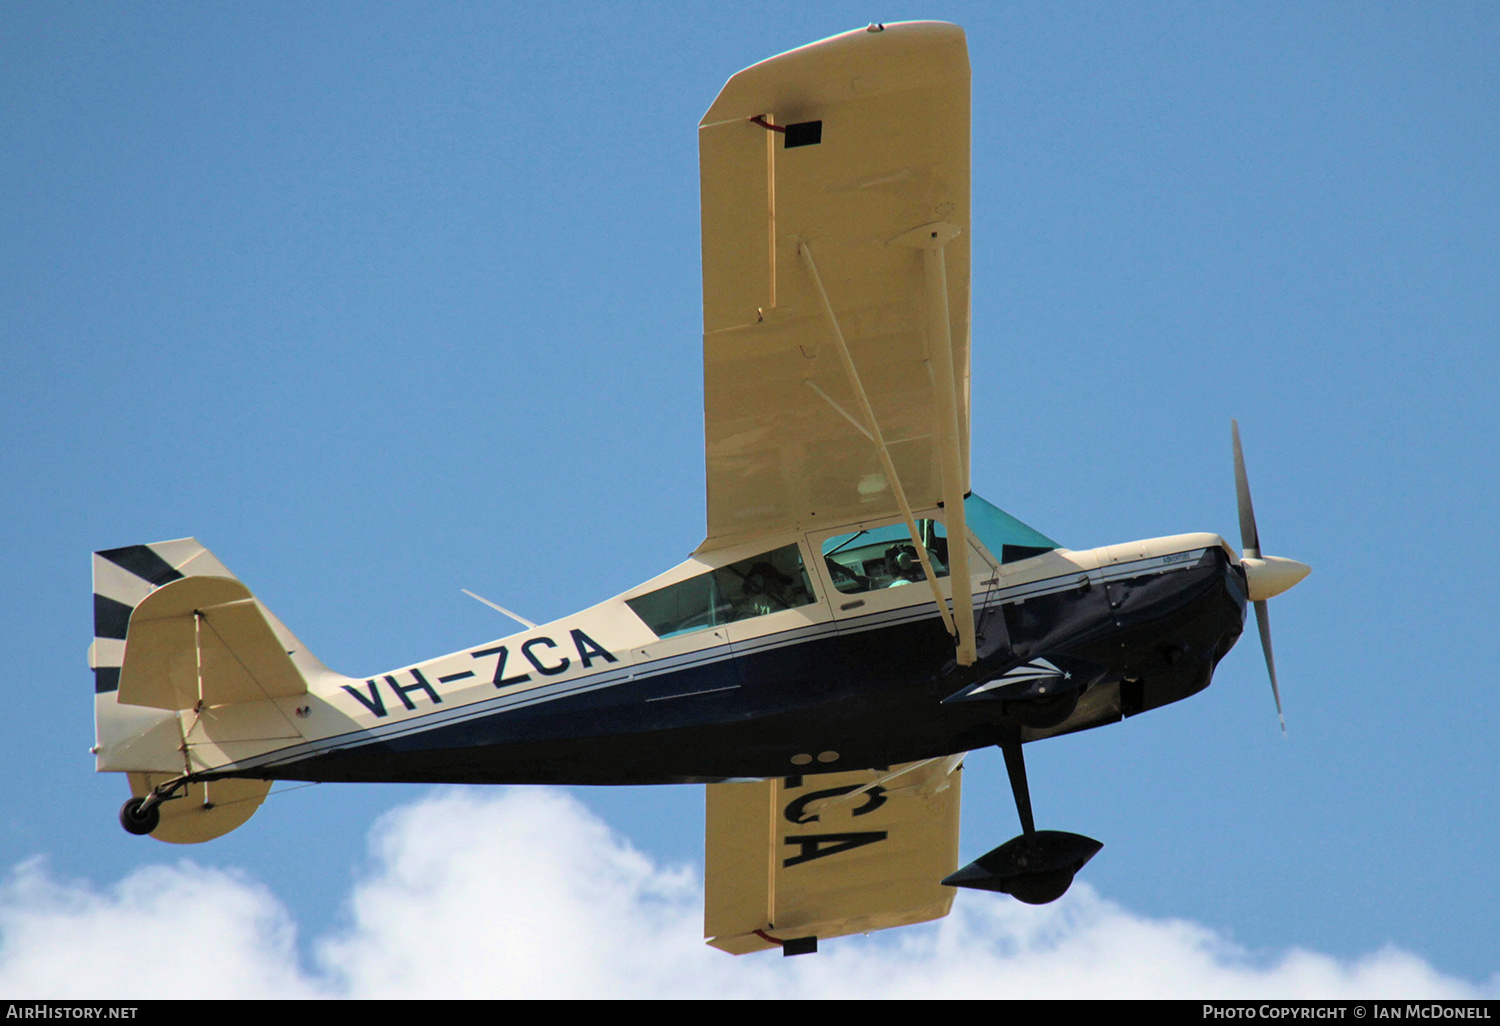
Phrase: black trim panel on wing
(803,133)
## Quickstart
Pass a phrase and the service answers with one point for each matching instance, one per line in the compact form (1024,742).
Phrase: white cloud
(178,931)
(525,893)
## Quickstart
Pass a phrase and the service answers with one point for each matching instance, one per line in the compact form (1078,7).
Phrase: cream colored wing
(830,854)
(873,166)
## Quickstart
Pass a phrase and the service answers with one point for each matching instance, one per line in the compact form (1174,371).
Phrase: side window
(884,557)
(767,583)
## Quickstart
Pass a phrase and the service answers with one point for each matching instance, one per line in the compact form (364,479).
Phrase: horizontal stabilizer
(203,810)
(203,640)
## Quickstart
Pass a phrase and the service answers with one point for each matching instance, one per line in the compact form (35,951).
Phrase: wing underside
(869,175)
(830,854)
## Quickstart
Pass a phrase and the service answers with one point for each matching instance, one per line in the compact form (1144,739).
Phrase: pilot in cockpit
(903,565)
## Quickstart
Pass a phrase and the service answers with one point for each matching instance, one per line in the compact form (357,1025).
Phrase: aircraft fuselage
(1151,620)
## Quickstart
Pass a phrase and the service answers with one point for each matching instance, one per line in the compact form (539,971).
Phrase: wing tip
(744,87)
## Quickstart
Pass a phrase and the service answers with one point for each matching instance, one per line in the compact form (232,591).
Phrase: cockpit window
(884,557)
(1003,534)
(767,583)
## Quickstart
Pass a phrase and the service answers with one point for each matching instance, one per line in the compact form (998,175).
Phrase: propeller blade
(1270,576)
(1263,621)
(1249,536)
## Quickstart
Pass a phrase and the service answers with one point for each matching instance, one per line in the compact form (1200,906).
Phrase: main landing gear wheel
(1038,867)
(139,819)
(1042,888)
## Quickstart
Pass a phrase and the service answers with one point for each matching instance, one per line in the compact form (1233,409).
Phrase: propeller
(1265,576)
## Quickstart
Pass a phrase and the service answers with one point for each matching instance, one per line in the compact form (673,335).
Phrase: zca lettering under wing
(825,855)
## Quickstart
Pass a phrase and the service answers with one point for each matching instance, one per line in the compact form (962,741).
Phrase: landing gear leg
(1015,768)
(1037,867)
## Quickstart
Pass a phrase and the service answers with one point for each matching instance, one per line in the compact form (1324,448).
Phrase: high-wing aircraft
(854,622)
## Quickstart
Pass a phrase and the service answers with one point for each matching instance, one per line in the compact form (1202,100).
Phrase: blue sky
(380,302)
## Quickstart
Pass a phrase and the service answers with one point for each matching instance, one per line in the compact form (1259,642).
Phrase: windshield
(1003,534)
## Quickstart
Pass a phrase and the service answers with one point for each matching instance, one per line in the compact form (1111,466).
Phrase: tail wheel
(137,819)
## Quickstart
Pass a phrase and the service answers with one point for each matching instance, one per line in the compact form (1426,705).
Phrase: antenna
(519,619)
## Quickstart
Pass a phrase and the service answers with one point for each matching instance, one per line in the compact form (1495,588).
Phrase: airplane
(855,621)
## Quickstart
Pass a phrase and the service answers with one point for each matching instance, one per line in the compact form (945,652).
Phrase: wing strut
(885,456)
(930,239)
